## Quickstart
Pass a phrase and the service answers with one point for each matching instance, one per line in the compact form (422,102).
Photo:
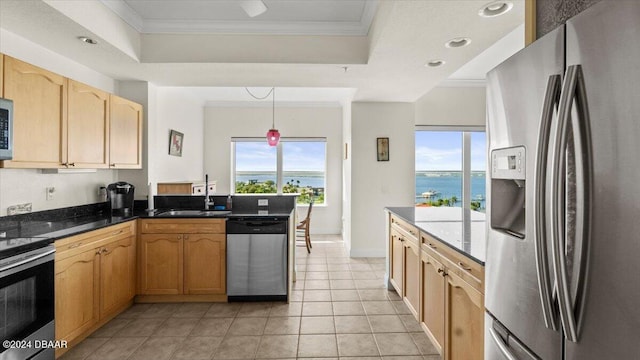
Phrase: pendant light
(273,135)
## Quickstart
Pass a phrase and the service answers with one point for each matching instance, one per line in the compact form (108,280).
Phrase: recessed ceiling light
(458,42)
(495,8)
(435,63)
(87,40)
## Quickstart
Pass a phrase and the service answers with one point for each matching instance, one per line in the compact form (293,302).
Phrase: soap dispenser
(229,202)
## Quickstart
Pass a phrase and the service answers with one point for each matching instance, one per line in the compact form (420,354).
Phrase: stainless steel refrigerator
(563,251)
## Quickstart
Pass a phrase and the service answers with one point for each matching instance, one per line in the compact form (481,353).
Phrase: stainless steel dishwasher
(257,259)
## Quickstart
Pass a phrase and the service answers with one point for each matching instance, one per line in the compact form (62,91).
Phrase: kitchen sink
(195,213)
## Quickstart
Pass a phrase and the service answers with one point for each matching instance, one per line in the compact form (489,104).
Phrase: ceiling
(295,44)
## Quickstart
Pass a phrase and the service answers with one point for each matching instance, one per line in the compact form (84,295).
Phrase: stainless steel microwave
(6,129)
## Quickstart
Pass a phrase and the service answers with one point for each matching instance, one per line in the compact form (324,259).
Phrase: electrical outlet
(19,209)
(263,202)
(50,192)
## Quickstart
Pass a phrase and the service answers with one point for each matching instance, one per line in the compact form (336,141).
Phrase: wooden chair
(303,228)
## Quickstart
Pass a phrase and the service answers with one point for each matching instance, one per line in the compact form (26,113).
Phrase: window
(441,174)
(296,165)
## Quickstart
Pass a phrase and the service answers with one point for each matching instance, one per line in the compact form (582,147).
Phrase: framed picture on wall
(175,143)
(383,149)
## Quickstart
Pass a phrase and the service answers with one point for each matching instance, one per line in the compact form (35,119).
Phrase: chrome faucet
(207,202)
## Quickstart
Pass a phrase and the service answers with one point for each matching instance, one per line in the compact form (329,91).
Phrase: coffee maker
(120,197)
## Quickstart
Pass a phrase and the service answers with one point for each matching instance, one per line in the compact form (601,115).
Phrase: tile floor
(339,309)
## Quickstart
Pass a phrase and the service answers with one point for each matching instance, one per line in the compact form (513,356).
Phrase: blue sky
(297,156)
(442,150)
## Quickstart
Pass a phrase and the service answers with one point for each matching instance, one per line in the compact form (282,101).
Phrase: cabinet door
(433,286)
(125,134)
(395,268)
(465,320)
(204,264)
(76,294)
(88,124)
(161,264)
(411,272)
(39,105)
(117,275)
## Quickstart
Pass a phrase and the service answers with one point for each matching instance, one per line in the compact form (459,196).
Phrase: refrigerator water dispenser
(508,190)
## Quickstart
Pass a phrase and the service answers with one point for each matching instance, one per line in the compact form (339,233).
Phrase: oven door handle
(23,263)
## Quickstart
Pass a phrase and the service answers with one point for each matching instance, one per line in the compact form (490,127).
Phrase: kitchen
(367,184)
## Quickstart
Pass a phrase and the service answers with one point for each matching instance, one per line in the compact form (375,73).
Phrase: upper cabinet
(125,134)
(39,105)
(87,127)
(62,123)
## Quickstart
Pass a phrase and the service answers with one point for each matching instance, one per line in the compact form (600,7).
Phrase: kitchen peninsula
(435,261)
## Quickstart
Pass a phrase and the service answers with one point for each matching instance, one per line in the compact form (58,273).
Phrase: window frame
(466,131)
(279,163)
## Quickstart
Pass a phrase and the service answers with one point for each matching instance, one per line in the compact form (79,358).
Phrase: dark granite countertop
(446,225)
(51,225)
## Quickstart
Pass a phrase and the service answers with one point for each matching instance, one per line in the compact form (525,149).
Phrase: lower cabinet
(411,266)
(182,257)
(465,320)
(205,264)
(433,297)
(441,287)
(94,279)
(77,294)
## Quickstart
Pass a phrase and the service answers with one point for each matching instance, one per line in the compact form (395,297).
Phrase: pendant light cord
(273,104)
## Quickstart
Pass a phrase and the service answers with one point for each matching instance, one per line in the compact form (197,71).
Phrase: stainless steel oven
(27,304)
(6,129)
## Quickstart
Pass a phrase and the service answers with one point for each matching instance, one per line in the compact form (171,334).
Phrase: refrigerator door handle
(572,90)
(504,348)
(551,100)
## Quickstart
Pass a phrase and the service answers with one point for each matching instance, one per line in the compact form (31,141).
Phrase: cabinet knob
(432,246)
(463,266)
(186,237)
(112,165)
(72,164)
(440,271)
(179,237)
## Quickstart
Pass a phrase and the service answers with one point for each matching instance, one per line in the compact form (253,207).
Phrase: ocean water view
(315,179)
(446,184)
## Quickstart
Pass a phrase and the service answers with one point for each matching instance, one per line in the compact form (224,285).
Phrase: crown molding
(122,9)
(153,26)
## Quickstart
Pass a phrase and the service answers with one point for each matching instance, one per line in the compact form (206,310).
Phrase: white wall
(23,186)
(452,106)
(346,175)
(377,184)
(223,123)
(176,109)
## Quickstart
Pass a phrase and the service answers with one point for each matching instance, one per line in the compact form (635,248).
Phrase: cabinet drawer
(467,269)
(79,243)
(409,231)
(183,226)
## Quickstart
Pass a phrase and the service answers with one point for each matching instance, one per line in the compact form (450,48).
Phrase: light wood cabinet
(205,263)
(442,287)
(87,126)
(465,320)
(161,264)
(117,275)
(182,257)
(94,280)
(40,112)
(63,123)
(125,134)
(404,270)
(433,297)
(411,266)
(396,252)
(77,294)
